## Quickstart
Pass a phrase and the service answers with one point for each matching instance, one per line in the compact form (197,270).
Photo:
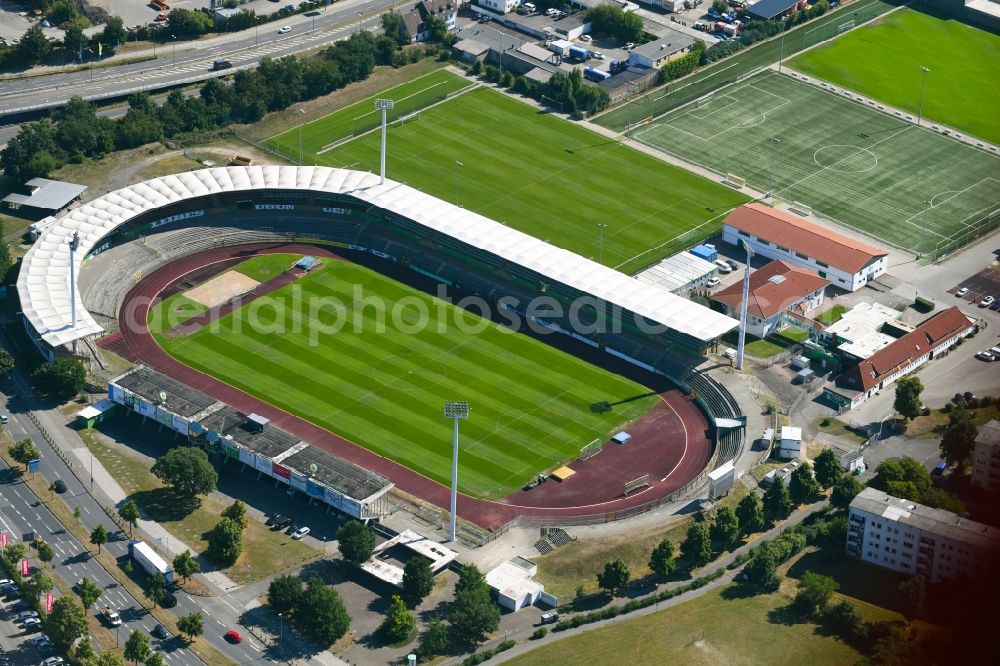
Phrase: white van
(528,7)
(723,266)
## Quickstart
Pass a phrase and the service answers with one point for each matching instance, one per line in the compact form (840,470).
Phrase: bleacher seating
(544,547)
(559,537)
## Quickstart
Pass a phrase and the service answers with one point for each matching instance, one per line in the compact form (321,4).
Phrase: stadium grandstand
(252,440)
(351,210)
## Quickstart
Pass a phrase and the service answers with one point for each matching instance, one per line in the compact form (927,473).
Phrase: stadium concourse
(670,442)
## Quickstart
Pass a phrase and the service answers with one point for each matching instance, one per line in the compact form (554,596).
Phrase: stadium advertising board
(247,457)
(195,429)
(146,408)
(351,507)
(115,393)
(180,424)
(314,489)
(262,464)
(176,218)
(281,473)
(298,481)
(164,417)
(229,450)
(333,498)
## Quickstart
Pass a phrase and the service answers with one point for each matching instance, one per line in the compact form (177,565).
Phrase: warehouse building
(847,263)
(914,539)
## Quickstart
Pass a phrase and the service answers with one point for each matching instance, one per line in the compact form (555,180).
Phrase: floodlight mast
(385,105)
(743,308)
(455,410)
(74,244)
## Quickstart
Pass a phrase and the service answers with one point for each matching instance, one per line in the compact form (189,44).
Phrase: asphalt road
(185,62)
(19,516)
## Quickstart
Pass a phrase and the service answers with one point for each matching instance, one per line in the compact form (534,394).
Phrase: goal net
(635,484)
(591,450)
(705,99)
(844,27)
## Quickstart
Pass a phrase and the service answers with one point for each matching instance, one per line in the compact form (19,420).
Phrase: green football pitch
(882,175)
(547,177)
(326,354)
(960,89)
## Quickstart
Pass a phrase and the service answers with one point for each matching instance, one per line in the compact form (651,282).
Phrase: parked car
(281,522)
(3,419)
(53,661)
(550,617)
(233,636)
(586,38)
(24,615)
(32,624)
(722,266)
(962,292)
(986,302)
(986,356)
(299,533)
(284,29)
(732,264)
(713,282)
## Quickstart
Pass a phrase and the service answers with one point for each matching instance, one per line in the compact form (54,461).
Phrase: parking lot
(21,640)
(984,284)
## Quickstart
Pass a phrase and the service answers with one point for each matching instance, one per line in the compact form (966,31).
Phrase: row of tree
(313,608)
(567,92)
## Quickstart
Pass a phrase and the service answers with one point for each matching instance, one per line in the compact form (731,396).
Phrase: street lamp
(633,88)
(770,177)
(385,105)
(281,634)
(458,182)
(600,243)
(920,107)
(74,245)
(173,44)
(744,303)
(302,112)
(455,410)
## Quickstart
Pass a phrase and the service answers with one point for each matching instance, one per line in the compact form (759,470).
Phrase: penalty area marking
(833,165)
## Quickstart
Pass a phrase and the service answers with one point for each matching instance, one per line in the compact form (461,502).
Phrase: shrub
(541,632)
(506,645)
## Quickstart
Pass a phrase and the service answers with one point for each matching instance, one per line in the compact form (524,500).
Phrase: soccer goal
(635,484)
(844,27)
(408,119)
(704,100)
(591,450)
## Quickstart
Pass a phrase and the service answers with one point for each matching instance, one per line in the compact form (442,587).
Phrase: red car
(233,636)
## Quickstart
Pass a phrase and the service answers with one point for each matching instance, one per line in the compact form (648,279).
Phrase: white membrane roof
(44,281)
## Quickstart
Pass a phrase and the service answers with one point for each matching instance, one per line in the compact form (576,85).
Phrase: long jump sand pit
(222,289)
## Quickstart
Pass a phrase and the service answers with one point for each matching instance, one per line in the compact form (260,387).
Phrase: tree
(137,647)
(32,152)
(356,541)
(225,542)
(814,591)
(156,588)
(186,565)
(88,592)
(114,32)
(418,580)
(6,359)
(472,615)
(99,537)
(615,577)
(662,560)
(283,593)
(915,591)
(321,614)
(66,623)
(73,39)
(129,512)
(108,658)
(60,380)
(720,6)
(37,585)
(84,651)
(394,28)
(726,528)
(846,620)
(399,624)
(802,486)
(155,659)
(435,640)
(827,468)
(760,571)
(33,45)
(24,451)
(959,438)
(777,502)
(237,511)
(697,546)
(750,512)
(45,552)
(903,490)
(845,491)
(188,470)
(939,498)
(471,579)
(907,400)
(191,625)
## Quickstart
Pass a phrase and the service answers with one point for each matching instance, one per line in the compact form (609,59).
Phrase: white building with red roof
(847,263)
(775,290)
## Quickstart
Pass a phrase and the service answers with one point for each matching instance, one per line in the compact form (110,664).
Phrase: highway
(186,62)
(20,512)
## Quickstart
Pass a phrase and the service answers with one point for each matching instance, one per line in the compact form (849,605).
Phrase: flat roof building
(679,273)
(986,457)
(388,560)
(847,263)
(41,197)
(914,539)
(661,50)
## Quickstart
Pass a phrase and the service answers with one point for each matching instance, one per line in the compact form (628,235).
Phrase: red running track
(670,441)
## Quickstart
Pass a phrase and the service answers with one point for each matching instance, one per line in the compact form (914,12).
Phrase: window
(820,263)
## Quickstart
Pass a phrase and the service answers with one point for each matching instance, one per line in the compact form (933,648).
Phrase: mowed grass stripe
(544,176)
(384,390)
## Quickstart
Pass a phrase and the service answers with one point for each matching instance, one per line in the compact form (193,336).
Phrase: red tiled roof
(905,350)
(768,298)
(806,238)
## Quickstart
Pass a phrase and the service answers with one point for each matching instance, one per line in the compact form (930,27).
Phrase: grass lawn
(963,61)
(838,428)
(362,115)
(709,630)
(172,311)
(265,553)
(776,343)
(373,360)
(833,315)
(554,180)
(266,266)
(933,425)
(849,162)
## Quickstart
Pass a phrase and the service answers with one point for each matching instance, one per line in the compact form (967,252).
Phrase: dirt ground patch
(222,289)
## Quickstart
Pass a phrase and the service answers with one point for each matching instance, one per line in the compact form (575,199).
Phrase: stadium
(98,274)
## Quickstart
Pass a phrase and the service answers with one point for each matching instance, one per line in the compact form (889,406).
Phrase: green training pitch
(960,89)
(857,165)
(381,380)
(546,177)
(363,116)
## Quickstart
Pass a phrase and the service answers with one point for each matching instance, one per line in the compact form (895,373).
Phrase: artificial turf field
(384,386)
(960,90)
(867,169)
(542,175)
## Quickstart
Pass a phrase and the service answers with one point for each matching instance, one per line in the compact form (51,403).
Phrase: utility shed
(41,197)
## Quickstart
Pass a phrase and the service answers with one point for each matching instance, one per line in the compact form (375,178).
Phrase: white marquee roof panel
(43,283)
